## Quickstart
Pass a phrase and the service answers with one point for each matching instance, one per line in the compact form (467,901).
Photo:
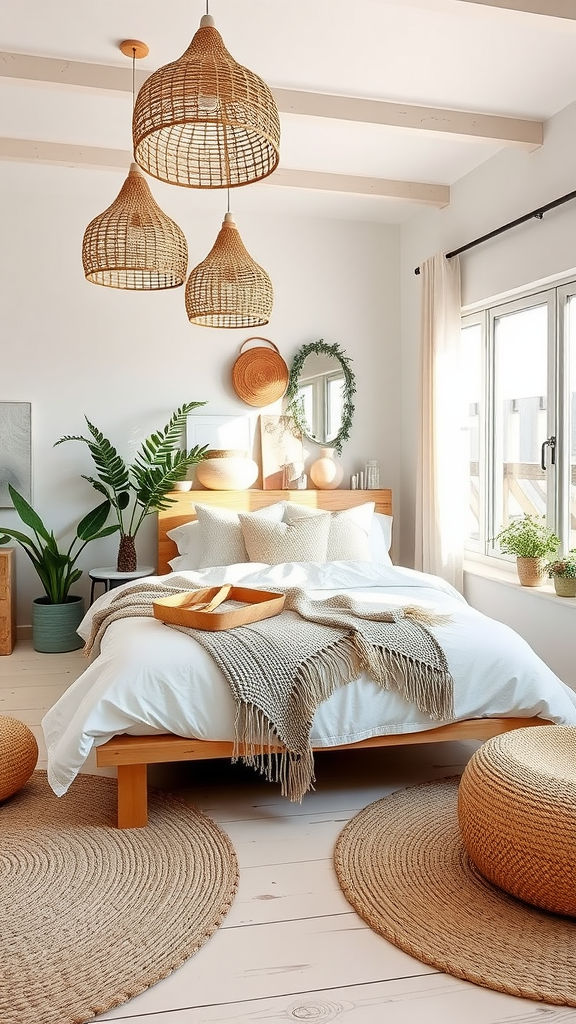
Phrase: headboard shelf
(183,508)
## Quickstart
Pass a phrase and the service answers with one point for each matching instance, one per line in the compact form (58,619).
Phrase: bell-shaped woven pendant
(205,121)
(133,244)
(228,289)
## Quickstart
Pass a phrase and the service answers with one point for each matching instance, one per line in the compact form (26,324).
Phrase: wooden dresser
(7,600)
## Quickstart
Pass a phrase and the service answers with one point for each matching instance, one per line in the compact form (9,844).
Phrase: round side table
(111,577)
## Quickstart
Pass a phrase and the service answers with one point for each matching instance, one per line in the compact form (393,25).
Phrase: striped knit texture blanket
(280,669)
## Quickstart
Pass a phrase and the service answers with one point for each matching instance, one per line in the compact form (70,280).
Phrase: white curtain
(443,477)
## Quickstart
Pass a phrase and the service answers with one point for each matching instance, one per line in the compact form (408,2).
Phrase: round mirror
(320,392)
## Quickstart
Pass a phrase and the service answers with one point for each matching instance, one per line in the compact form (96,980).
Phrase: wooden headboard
(183,508)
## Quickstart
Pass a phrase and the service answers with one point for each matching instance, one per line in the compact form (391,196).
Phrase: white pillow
(301,539)
(349,536)
(350,530)
(381,538)
(221,537)
(187,540)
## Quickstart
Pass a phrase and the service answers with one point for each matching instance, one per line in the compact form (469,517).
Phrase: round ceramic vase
(326,473)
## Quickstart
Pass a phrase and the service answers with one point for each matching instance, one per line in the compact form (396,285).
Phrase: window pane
(520,377)
(471,371)
(572,409)
(335,405)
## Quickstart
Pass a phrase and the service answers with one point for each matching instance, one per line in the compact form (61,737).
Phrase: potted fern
(56,615)
(138,490)
(563,572)
(532,542)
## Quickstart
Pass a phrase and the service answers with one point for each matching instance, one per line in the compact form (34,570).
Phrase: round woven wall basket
(260,375)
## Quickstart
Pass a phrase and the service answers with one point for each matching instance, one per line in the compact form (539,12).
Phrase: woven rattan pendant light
(228,289)
(133,244)
(205,121)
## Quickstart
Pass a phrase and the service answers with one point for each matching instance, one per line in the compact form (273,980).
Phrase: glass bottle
(372,475)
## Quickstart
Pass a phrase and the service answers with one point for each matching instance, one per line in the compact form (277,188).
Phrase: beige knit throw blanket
(280,669)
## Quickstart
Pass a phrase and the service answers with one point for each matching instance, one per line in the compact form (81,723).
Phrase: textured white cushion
(349,536)
(222,542)
(350,530)
(301,539)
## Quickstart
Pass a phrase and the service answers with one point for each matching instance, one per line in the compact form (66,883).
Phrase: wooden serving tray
(193,609)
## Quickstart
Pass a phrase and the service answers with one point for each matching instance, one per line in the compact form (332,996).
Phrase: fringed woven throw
(280,669)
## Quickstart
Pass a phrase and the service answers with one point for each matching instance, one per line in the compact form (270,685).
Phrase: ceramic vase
(226,470)
(326,473)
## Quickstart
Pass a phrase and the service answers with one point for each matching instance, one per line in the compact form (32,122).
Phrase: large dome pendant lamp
(229,289)
(133,244)
(205,121)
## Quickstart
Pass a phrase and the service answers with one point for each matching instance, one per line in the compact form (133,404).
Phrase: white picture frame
(15,451)
(222,432)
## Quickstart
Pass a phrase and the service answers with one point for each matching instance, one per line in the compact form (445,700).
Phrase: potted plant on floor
(56,616)
(563,572)
(532,542)
(136,491)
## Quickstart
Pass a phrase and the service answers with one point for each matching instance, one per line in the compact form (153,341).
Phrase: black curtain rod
(538,214)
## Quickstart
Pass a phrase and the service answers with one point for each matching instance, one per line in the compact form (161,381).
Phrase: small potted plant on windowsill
(532,542)
(563,572)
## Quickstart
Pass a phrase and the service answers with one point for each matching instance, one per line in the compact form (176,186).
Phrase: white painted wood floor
(291,948)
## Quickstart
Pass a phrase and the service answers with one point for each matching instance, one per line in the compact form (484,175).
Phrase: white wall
(510,185)
(126,360)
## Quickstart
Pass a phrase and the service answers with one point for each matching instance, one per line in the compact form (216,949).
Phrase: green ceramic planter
(54,625)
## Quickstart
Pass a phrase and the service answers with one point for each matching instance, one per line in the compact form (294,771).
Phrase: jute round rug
(402,865)
(91,915)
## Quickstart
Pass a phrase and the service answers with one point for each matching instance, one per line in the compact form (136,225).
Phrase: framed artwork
(219,432)
(282,453)
(15,450)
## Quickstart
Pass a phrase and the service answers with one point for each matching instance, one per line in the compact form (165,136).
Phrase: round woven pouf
(517,814)
(18,755)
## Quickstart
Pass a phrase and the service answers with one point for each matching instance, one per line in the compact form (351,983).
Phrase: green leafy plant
(55,567)
(564,567)
(528,537)
(138,490)
(295,406)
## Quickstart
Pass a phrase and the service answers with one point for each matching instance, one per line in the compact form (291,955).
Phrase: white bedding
(151,678)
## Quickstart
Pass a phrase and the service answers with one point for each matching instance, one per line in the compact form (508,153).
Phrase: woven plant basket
(565,586)
(260,375)
(531,572)
(18,755)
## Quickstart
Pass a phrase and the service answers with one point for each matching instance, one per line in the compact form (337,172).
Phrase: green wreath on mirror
(295,405)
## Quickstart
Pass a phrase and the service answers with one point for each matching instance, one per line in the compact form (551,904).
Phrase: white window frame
(556,298)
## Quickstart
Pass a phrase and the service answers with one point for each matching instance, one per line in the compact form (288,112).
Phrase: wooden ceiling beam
(35,151)
(547,8)
(454,123)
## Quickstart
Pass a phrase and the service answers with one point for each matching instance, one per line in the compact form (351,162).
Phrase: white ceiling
(513,60)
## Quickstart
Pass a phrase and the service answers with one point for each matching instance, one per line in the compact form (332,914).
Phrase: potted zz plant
(532,542)
(56,615)
(563,572)
(136,491)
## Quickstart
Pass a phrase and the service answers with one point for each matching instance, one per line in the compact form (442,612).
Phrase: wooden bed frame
(132,754)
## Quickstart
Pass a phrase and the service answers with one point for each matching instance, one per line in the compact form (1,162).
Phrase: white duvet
(151,678)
